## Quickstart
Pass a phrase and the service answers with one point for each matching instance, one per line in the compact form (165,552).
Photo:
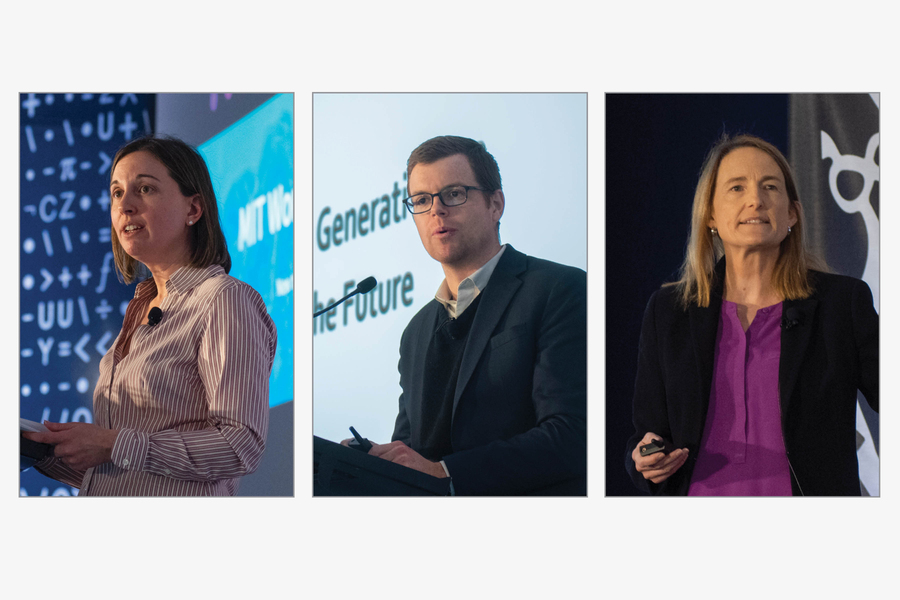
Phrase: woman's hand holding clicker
(660,466)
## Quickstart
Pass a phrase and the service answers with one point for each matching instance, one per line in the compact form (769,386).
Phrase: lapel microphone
(154,317)
(791,319)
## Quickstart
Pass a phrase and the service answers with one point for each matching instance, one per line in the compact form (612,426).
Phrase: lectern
(342,471)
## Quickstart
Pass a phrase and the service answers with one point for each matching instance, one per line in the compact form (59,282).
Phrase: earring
(789,228)
(190,222)
(714,231)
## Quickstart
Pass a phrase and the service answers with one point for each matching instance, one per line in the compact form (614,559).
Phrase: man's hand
(660,466)
(400,453)
(79,445)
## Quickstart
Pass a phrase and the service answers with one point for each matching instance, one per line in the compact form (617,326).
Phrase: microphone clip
(791,319)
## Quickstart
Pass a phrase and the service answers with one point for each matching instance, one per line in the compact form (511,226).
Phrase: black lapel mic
(450,327)
(791,319)
(154,317)
(363,287)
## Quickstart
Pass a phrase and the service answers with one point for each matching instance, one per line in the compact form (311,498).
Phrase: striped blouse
(190,398)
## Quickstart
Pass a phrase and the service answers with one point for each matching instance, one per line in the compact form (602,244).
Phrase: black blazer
(519,412)
(829,354)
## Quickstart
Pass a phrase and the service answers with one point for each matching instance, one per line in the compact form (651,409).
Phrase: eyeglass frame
(430,206)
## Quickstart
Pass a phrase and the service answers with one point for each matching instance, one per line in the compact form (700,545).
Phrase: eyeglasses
(452,196)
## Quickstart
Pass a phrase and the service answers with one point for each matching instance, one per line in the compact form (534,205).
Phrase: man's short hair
(487,173)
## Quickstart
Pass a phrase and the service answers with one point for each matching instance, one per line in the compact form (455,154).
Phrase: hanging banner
(834,150)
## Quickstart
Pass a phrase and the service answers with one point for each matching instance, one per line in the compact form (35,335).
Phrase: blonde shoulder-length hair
(698,272)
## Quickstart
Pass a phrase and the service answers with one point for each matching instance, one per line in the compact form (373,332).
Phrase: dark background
(655,146)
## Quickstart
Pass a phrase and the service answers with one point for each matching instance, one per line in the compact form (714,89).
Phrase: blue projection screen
(360,146)
(251,164)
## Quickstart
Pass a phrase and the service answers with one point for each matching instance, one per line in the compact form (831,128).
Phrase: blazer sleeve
(549,458)
(649,406)
(865,333)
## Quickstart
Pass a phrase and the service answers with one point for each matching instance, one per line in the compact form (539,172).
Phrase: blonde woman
(749,365)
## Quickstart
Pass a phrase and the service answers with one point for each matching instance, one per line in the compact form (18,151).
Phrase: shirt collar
(183,280)
(469,288)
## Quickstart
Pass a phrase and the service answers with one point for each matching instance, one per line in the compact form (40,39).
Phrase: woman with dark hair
(749,365)
(181,405)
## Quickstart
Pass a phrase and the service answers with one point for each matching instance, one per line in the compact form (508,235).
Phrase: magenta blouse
(742,452)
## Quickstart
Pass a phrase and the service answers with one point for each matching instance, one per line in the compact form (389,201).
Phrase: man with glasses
(493,371)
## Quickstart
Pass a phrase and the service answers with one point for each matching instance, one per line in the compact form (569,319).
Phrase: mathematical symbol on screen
(65,277)
(29,134)
(79,348)
(104,271)
(30,104)
(82,307)
(105,161)
(66,239)
(103,201)
(48,280)
(103,309)
(128,126)
(100,346)
(84,275)
(67,168)
(67,127)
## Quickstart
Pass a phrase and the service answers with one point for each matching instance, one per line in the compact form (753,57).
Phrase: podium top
(342,471)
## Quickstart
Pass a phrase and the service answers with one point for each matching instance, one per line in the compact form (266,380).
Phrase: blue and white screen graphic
(251,165)
(70,303)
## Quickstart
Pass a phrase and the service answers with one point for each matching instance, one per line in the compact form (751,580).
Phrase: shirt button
(167,472)
(125,462)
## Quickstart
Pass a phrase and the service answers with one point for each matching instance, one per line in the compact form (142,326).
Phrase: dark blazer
(519,412)
(829,354)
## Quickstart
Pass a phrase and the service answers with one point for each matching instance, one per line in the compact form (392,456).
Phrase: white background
(452,548)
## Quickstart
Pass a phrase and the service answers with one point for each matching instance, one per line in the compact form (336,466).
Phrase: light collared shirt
(469,288)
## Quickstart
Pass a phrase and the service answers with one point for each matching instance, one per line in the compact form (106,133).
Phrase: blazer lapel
(794,342)
(496,296)
(704,323)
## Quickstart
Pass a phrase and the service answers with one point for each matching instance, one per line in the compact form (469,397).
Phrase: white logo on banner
(868,168)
